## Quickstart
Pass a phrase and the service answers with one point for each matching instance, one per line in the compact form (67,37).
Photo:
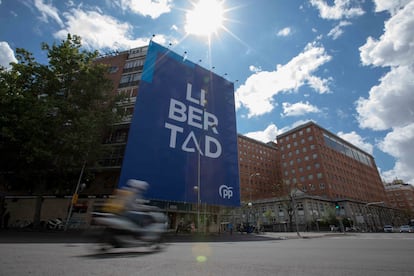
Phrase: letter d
(208,147)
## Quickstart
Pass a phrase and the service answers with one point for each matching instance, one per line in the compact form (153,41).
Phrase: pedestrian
(231,228)
(180,226)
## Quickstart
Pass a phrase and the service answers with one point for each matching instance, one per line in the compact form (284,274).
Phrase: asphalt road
(356,254)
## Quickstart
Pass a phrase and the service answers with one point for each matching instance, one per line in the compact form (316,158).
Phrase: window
(129,78)
(112,69)
(134,63)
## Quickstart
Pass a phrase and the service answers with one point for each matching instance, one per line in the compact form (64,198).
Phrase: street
(277,254)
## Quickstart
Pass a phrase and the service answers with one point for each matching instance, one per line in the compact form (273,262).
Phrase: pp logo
(226,191)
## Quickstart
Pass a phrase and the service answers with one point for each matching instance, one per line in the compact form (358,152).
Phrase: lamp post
(75,195)
(198,187)
(294,209)
(250,203)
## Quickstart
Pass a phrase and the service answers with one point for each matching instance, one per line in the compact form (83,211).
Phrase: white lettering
(177,111)
(210,120)
(195,117)
(189,97)
(225,191)
(191,137)
(208,147)
(173,136)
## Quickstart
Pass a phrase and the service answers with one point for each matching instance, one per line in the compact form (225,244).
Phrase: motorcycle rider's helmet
(137,185)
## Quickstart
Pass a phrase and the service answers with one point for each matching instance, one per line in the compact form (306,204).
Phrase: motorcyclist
(129,212)
(130,197)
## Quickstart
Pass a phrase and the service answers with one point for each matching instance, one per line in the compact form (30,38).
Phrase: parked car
(388,229)
(405,229)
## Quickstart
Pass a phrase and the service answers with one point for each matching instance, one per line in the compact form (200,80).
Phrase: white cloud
(272,131)
(339,10)
(298,109)
(391,6)
(396,46)
(399,143)
(390,104)
(257,93)
(267,135)
(337,31)
(99,31)
(151,8)
(254,69)
(6,55)
(48,11)
(284,32)
(356,140)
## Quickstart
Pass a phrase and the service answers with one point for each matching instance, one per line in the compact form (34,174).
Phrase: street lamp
(250,186)
(294,209)
(75,195)
(250,203)
(198,187)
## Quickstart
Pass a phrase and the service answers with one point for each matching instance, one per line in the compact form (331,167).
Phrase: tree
(53,116)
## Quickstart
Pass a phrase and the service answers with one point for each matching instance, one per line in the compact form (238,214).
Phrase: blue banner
(183,138)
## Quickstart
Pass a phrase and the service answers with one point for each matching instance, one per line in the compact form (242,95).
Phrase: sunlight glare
(205,19)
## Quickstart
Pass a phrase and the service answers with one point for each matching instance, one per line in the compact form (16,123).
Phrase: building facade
(258,168)
(320,163)
(400,195)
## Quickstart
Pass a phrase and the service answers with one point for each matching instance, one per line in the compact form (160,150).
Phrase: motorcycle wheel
(101,241)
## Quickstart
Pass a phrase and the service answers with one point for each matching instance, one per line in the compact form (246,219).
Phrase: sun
(205,18)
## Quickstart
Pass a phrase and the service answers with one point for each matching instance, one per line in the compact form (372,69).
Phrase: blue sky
(348,65)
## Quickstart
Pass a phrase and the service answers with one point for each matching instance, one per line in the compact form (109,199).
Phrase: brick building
(400,195)
(259,169)
(320,163)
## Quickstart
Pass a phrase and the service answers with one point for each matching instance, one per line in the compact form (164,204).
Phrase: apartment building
(124,69)
(259,169)
(400,195)
(320,163)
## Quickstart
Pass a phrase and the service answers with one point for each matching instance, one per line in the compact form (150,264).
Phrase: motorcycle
(133,228)
(55,224)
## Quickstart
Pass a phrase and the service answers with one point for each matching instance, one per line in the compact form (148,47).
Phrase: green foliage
(330,217)
(53,116)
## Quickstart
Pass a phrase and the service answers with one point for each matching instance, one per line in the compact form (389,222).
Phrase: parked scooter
(126,222)
(54,224)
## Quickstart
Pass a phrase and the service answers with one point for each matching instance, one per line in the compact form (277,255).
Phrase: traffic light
(337,205)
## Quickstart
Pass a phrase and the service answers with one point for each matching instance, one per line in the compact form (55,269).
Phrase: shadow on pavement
(41,236)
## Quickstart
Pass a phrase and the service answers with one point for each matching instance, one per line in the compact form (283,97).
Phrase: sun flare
(205,18)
